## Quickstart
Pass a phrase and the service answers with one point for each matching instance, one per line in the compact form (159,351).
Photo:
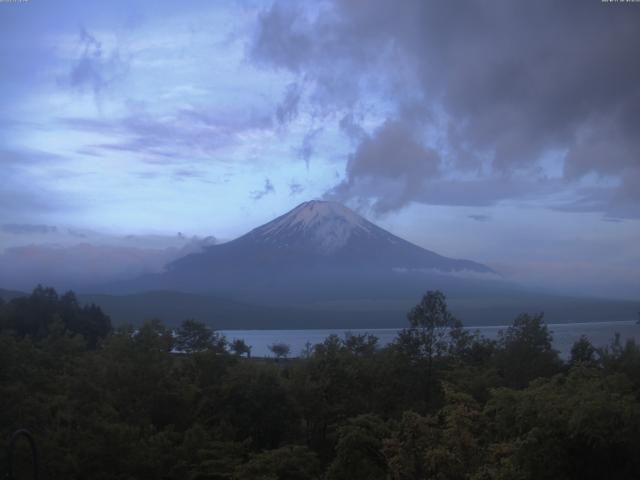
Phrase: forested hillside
(437,403)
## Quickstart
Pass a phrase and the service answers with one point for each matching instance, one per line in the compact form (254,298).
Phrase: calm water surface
(564,335)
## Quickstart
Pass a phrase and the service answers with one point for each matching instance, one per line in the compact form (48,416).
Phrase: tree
(239,347)
(252,403)
(362,344)
(619,358)
(525,351)
(430,333)
(445,445)
(280,350)
(358,452)
(307,351)
(152,337)
(88,320)
(583,425)
(583,352)
(35,315)
(193,336)
(31,316)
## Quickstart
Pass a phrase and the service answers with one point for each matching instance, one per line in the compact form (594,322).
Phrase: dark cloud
(307,149)
(27,229)
(504,84)
(479,217)
(96,69)
(393,162)
(268,189)
(268,46)
(352,128)
(287,110)
(295,189)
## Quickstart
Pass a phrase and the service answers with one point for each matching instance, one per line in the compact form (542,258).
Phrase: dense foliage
(438,403)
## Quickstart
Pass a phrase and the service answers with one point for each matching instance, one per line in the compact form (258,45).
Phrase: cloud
(479,217)
(76,233)
(185,133)
(306,150)
(22,229)
(268,189)
(268,46)
(295,189)
(468,274)
(181,174)
(619,202)
(287,110)
(392,162)
(23,194)
(496,87)
(98,259)
(96,69)
(351,128)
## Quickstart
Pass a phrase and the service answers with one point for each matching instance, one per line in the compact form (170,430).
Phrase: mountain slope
(317,251)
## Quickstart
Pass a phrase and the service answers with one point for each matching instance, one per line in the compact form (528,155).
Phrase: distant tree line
(44,311)
(439,402)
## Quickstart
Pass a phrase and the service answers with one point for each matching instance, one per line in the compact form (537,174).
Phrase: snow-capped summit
(310,214)
(322,226)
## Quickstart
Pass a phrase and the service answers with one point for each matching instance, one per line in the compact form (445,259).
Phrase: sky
(505,132)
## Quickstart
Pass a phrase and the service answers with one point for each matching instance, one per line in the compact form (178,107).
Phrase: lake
(564,335)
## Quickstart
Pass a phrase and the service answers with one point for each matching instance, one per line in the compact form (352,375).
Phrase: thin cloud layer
(96,69)
(85,259)
(268,189)
(27,229)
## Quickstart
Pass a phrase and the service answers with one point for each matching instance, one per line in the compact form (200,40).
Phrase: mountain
(322,265)
(317,251)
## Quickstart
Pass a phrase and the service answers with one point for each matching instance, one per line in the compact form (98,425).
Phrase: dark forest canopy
(44,311)
(439,402)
